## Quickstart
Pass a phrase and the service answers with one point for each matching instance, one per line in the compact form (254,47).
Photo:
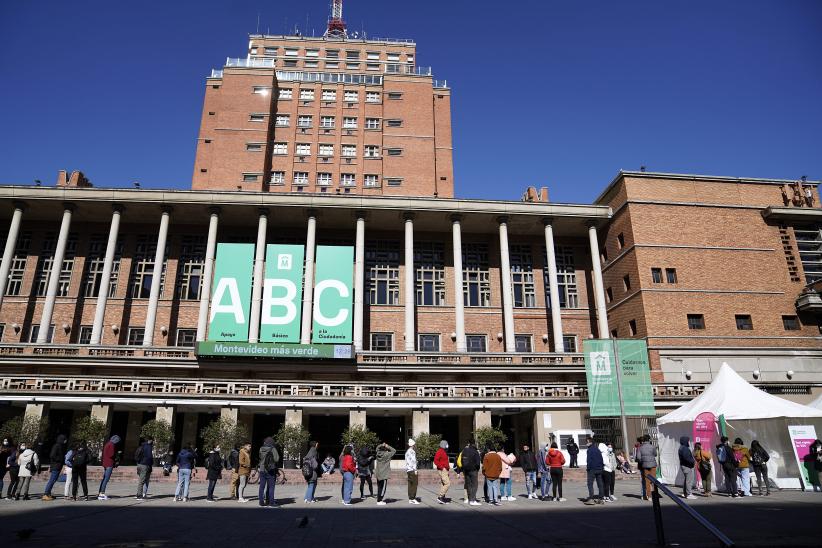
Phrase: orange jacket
(554,458)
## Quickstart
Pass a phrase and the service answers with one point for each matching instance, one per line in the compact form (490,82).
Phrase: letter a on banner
(282,294)
(231,293)
(333,295)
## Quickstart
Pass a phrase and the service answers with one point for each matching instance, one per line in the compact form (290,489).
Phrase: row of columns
(359,276)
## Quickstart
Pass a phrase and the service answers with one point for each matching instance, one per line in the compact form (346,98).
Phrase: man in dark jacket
(214,469)
(145,460)
(573,451)
(269,459)
(470,467)
(528,461)
(686,465)
(595,468)
(56,457)
(726,458)
(647,464)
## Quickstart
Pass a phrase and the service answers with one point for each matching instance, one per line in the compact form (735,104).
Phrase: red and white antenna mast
(336,25)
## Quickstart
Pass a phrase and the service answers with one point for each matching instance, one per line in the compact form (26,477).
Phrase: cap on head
(411,442)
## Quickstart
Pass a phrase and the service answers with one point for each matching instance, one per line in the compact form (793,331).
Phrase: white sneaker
(413,501)
(242,500)
(691,497)
(475,503)
(613,498)
(381,503)
(512,499)
(465,501)
(561,499)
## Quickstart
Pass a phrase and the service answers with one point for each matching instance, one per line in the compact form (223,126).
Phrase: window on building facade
(614,333)
(312,52)
(371,151)
(522,276)
(14,286)
(393,123)
(371,180)
(186,338)
(306,95)
(809,242)
(260,90)
(285,93)
(327,122)
(569,343)
(190,268)
(382,264)
(34,331)
(325,150)
(300,177)
(394,95)
(323,179)
(135,336)
(84,335)
(351,96)
(304,121)
(303,149)
(656,275)
(279,148)
(632,327)
(250,177)
(372,96)
(670,275)
(476,343)
(278,177)
(523,343)
(744,322)
(311,64)
(566,277)
(696,321)
(348,179)
(790,323)
(372,66)
(620,240)
(329,95)
(382,342)
(2,330)
(349,122)
(332,53)
(626,282)
(609,295)
(352,54)
(95,262)
(428,342)
(372,123)
(429,262)
(372,55)
(45,261)
(256,117)
(283,120)
(393,151)
(349,150)
(254,147)
(476,279)
(291,52)
(393,181)
(269,50)
(142,267)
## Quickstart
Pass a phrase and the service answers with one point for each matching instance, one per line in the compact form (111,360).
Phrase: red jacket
(441,460)
(348,464)
(554,458)
(108,455)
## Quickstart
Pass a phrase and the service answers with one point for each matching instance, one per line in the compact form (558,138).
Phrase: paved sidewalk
(787,518)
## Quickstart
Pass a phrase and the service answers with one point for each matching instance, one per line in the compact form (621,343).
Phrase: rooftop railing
(453,358)
(393,68)
(251,62)
(216,73)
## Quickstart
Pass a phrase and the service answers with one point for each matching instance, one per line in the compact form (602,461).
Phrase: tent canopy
(732,396)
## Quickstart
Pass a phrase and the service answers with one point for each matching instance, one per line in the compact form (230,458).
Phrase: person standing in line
(29,464)
(5,451)
(759,460)
(365,464)
(492,470)
(244,470)
(443,466)
(646,462)
(506,485)
(57,456)
(14,471)
(269,458)
(384,454)
(610,458)
(109,463)
(725,456)
(607,472)
(573,451)
(544,471)
(528,462)
(311,464)
(214,469)
(686,466)
(704,467)
(79,469)
(555,459)
(233,464)
(68,469)
(411,471)
(595,467)
(742,456)
(185,471)
(348,468)
(470,462)
(145,461)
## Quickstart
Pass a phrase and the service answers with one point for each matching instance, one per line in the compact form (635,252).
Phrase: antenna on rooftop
(258,22)
(336,25)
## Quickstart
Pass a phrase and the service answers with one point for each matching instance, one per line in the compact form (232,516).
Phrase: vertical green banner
(282,294)
(333,294)
(601,356)
(231,293)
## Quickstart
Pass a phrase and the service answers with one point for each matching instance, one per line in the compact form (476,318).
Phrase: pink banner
(705,429)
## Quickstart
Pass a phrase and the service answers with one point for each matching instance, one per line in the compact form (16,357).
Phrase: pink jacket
(507,461)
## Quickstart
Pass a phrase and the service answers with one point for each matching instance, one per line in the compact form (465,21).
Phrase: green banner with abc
(231,293)
(601,356)
(282,294)
(332,314)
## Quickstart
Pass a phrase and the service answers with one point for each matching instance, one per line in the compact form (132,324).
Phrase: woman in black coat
(214,469)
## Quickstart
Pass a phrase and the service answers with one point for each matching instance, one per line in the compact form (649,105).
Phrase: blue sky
(553,93)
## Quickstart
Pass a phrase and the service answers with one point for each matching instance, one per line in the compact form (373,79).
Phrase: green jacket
(384,454)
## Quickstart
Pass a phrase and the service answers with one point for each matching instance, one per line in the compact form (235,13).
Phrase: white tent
(817,403)
(750,414)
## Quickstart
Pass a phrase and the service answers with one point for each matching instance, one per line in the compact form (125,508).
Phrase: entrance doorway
(391,430)
(449,429)
(327,431)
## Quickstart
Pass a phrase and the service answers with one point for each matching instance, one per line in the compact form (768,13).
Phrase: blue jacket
(594,459)
(686,458)
(185,459)
(147,458)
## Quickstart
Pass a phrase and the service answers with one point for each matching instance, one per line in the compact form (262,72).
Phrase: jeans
(530,482)
(211,484)
(688,482)
(14,482)
(761,471)
(745,481)
(471,484)
(493,490)
(267,484)
(67,486)
(106,476)
(556,479)
(545,483)
(573,461)
(78,475)
(730,480)
(183,482)
(348,486)
(144,474)
(595,475)
(25,482)
(505,487)
(53,475)
(382,489)
(445,483)
(412,485)
(309,490)
(243,482)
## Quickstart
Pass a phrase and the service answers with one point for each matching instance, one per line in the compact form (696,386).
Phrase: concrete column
(507,289)
(11,245)
(553,289)
(257,287)
(54,275)
(230,413)
(208,270)
(102,412)
(165,413)
(599,291)
(459,303)
(420,423)
(36,411)
(294,416)
(410,284)
(482,419)
(156,277)
(359,281)
(308,286)
(356,417)
(105,278)
(541,431)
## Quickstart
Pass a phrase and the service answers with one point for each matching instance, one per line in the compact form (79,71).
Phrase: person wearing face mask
(5,451)
(29,466)
(14,471)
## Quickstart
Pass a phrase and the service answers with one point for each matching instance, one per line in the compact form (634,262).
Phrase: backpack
(307,469)
(31,467)
(722,454)
(78,459)
(268,463)
(758,458)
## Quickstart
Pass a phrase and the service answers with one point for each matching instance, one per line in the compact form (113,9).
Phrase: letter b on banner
(282,294)
(333,295)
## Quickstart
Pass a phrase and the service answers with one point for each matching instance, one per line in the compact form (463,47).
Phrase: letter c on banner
(342,315)
(287,302)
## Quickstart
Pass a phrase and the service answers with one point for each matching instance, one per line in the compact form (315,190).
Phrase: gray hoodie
(268,447)
(384,454)
(647,455)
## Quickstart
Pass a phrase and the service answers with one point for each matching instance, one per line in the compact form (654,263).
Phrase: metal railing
(447,358)
(696,516)
(252,62)
(215,73)
(396,68)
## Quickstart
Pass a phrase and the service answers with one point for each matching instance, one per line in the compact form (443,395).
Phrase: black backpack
(307,469)
(78,458)
(32,467)
(269,465)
